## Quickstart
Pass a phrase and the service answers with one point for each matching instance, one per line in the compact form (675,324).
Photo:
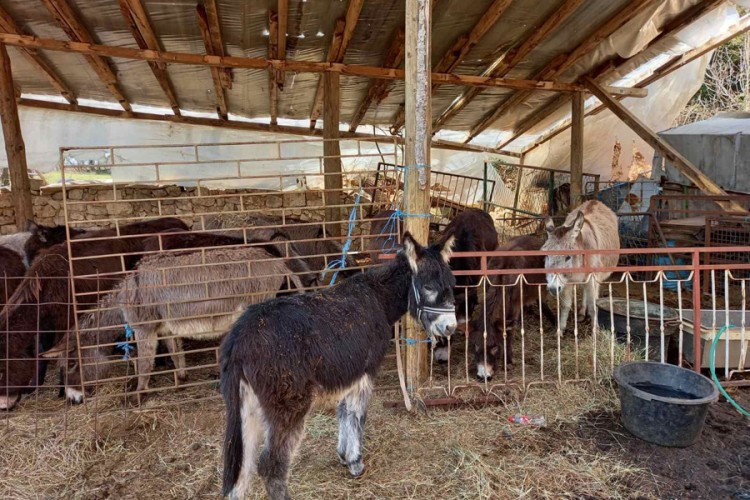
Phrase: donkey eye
(569,258)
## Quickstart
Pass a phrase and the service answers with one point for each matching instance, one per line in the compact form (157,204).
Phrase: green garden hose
(713,372)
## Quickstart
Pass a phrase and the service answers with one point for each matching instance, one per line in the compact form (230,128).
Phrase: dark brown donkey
(474,231)
(41,308)
(507,295)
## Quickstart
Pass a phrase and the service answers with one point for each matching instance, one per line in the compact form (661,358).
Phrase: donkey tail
(231,377)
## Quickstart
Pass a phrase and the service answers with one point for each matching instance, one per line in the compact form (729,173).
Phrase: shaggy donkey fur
(505,300)
(17,252)
(41,308)
(474,231)
(592,226)
(282,354)
(194,295)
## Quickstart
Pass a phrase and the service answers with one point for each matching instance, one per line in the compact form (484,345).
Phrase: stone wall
(184,202)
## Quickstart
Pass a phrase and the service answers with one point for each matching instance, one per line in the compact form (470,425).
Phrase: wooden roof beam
(273,53)
(219,90)
(701,180)
(239,125)
(609,67)
(73,26)
(359,70)
(506,62)
(559,65)
(282,13)
(137,18)
(461,48)
(9,25)
(217,41)
(336,52)
(742,26)
(379,89)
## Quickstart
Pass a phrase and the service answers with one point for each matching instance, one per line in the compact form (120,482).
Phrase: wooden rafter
(558,66)
(670,66)
(506,62)
(336,52)
(73,26)
(217,41)
(237,125)
(137,19)
(461,47)
(219,89)
(9,25)
(273,53)
(701,180)
(282,11)
(297,66)
(378,89)
(609,68)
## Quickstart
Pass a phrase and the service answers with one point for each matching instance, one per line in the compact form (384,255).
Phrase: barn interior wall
(48,204)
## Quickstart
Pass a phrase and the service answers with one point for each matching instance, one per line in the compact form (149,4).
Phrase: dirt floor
(582,452)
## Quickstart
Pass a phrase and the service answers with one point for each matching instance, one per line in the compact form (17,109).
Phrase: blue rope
(340,263)
(127,346)
(408,341)
(712,359)
(391,226)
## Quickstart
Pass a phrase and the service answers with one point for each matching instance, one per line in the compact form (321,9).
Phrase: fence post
(697,359)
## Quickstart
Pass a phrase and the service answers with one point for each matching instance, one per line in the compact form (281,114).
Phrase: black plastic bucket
(664,404)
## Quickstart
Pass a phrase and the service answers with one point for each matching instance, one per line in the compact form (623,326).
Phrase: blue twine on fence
(409,341)
(340,263)
(126,346)
(391,226)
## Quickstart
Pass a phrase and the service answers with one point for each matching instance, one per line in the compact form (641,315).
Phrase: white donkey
(592,226)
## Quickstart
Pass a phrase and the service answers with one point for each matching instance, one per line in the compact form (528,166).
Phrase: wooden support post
(14,146)
(332,152)
(701,180)
(576,152)
(417,175)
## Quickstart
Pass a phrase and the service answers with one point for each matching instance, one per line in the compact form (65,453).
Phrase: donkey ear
(31,226)
(549,224)
(446,250)
(578,224)
(59,350)
(412,250)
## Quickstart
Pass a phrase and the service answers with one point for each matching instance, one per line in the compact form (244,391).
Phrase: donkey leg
(284,435)
(174,346)
(253,429)
(146,340)
(352,413)
(566,303)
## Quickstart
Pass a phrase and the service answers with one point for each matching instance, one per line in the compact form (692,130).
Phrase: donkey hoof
(342,458)
(356,468)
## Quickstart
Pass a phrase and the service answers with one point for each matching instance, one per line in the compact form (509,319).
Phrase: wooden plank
(137,19)
(14,145)
(219,93)
(417,161)
(69,21)
(560,64)
(742,26)
(217,41)
(342,36)
(9,25)
(576,152)
(703,182)
(273,53)
(242,125)
(379,89)
(507,61)
(610,67)
(332,152)
(282,11)
(460,48)
(295,66)
(333,51)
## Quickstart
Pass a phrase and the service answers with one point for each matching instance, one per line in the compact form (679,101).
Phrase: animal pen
(184,237)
